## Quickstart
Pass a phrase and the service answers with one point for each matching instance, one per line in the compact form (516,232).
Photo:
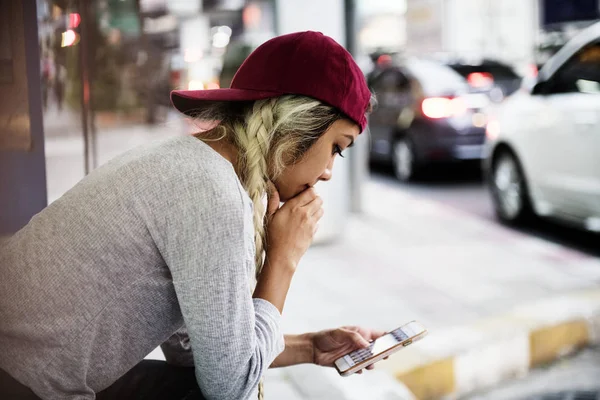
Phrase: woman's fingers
(315,206)
(273,201)
(291,228)
(304,198)
(319,213)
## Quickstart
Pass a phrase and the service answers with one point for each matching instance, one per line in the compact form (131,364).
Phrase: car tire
(404,160)
(509,189)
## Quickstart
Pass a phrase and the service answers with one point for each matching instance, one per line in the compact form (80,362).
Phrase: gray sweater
(157,240)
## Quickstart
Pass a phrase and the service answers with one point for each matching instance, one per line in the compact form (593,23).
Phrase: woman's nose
(326,175)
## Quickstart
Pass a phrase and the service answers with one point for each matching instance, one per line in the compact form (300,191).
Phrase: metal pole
(350,18)
(89,139)
(358,157)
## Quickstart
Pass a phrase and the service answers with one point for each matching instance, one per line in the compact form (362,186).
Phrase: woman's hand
(329,345)
(291,228)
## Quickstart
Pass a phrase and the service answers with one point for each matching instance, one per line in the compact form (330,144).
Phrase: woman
(170,244)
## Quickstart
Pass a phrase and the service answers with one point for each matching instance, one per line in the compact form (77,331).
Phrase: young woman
(171,245)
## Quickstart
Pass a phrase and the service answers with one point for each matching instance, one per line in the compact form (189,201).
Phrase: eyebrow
(351,140)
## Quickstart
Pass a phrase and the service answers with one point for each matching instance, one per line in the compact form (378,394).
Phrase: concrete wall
(499,29)
(503,30)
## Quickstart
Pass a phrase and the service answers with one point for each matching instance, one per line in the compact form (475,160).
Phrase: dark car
(426,114)
(497,79)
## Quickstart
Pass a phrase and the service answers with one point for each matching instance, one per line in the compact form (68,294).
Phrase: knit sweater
(156,240)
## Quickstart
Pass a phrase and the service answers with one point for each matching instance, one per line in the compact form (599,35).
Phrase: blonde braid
(261,390)
(254,144)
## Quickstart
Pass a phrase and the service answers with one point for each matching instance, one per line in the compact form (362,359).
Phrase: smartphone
(381,347)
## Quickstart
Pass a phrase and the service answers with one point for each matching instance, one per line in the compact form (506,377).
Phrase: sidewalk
(496,302)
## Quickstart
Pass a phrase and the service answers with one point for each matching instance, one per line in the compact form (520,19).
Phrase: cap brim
(188,101)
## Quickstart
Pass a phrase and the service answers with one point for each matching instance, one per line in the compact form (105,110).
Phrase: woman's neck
(226,150)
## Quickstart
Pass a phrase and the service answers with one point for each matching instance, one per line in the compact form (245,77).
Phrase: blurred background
(474,191)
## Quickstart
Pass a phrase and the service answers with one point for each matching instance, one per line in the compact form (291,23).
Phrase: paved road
(463,188)
(578,373)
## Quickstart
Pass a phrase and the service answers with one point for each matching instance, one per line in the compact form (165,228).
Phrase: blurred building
(22,170)
(560,20)
(102,70)
(517,32)
(504,30)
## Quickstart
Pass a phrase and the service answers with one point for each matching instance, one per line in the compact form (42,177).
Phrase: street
(462,188)
(573,377)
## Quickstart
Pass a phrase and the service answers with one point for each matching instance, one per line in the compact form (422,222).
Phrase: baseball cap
(302,63)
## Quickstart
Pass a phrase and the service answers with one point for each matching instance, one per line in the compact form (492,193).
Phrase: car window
(436,79)
(394,92)
(392,88)
(390,80)
(581,74)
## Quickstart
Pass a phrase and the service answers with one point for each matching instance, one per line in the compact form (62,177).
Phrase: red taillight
(443,107)
(384,60)
(480,79)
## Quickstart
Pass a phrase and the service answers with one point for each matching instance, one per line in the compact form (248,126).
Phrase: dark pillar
(22,162)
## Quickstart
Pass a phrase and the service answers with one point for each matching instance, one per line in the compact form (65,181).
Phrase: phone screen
(384,343)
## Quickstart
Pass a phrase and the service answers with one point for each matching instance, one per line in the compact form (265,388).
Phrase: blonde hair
(269,135)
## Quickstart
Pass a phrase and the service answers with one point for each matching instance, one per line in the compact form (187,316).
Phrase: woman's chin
(285,195)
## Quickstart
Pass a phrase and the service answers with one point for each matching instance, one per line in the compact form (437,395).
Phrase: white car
(542,151)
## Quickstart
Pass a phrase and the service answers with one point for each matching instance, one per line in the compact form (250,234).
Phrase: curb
(459,361)
(463,360)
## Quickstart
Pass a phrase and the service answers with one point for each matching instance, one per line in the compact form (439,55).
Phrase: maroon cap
(303,63)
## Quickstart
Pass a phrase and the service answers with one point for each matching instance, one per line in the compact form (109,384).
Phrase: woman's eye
(338,150)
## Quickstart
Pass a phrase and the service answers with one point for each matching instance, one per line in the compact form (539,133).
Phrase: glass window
(581,74)
(392,88)
(436,79)
(60,72)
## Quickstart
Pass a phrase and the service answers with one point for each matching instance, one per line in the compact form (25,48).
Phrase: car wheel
(509,189)
(403,160)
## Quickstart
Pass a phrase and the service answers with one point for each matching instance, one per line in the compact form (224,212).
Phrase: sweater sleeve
(202,233)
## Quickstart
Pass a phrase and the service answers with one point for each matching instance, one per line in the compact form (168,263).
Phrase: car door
(392,90)
(571,148)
